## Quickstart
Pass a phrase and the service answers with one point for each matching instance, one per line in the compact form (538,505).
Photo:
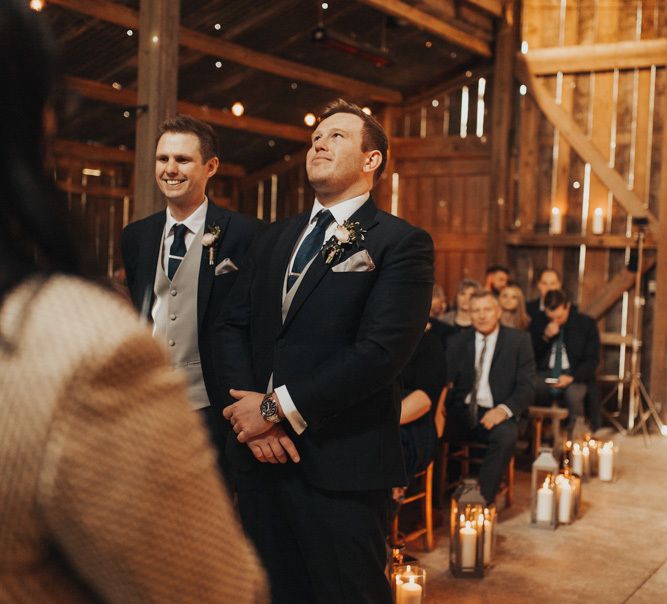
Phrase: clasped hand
(267,441)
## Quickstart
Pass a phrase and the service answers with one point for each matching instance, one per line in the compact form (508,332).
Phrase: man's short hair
(483,293)
(497,268)
(548,269)
(373,135)
(186,124)
(467,284)
(555,298)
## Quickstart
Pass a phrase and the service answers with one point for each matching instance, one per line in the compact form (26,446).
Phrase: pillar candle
(411,592)
(606,462)
(598,221)
(468,544)
(488,539)
(586,457)
(577,461)
(564,502)
(545,502)
(399,584)
(556,223)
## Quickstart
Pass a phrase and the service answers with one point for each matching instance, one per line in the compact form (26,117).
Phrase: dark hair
(373,136)
(186,124)
(555,298)
(483,293)
(497,268)
(548,269)
(34,236)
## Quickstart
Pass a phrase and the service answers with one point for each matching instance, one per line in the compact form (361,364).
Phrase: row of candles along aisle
(556,499)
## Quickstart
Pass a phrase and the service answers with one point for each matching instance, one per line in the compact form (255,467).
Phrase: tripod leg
(650,406)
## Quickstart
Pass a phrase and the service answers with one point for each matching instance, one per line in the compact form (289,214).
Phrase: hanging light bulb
(37,5)
(238,109)
(309,119)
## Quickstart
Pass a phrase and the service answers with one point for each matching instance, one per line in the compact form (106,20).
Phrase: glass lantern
(544,498)
(471,531)
(575,482)
(566,496)
(408,584)
(607,453)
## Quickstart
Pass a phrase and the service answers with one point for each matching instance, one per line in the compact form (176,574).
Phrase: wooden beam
(127,97)
(95,190)
(224,49)
(455,82)
(582,145)
(493,7)
(573,241)
(613,290)
(102,153)
(598,57)
(432,24)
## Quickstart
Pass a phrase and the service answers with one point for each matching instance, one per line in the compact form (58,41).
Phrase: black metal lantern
(471,529)
(543,491)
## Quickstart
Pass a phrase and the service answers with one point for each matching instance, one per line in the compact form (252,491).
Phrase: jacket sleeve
(130,492)
(590,358)
(523,394)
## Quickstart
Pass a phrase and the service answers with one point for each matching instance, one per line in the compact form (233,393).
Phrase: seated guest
(567,354)
(548,279)
(438,303)
(491,373)
(496,279)
(459,316)
(422,380)
(436,325)
(513,305)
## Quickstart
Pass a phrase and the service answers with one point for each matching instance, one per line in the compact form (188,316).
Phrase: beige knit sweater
(107,483)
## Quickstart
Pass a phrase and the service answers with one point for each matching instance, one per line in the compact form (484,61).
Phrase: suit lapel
(366,216)
(148,261)
(470,356)
(500,341)
(215,216)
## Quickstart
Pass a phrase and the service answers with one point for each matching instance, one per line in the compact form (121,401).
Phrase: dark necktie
(557,369)
(309,246)
(177,250)
(479,367)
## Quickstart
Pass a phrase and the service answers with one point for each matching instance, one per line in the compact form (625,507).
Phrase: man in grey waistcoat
(182,262)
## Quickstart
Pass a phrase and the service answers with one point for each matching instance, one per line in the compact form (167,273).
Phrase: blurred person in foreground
(108,491)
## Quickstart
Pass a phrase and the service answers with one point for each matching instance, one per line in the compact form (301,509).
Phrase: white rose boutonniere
(347,234)
(210,240)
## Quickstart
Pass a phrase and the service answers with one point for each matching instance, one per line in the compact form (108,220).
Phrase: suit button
(172,343)
(173,292)
(172,316)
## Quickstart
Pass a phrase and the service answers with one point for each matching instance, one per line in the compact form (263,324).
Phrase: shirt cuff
(506,409)
(290,411)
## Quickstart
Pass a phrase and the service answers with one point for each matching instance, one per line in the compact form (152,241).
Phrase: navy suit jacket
(340,350)
(512,374)
(140,244)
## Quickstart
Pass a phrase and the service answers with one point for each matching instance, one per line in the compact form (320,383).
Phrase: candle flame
(412,579)
(576,447)
(408,570)
(546,482)
(468,524)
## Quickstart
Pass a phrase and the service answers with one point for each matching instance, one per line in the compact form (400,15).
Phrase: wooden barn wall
(622,113)
(103,203)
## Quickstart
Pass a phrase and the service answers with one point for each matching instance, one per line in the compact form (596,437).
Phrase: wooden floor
(615,553)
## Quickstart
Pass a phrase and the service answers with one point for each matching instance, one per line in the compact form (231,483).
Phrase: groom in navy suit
(317,328)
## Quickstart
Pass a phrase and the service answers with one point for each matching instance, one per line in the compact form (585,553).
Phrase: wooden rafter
(542,240)
(102,153)
(493,7)
(598,57)
(126,97)
(583,145)
(224,49)
(432,24)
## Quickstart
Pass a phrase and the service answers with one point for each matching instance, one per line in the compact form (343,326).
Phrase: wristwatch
(268,409)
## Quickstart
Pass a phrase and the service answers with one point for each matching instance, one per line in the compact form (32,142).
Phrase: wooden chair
(556,415)
(424,494)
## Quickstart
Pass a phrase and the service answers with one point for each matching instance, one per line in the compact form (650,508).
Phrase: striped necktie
(479,368)
(177,250)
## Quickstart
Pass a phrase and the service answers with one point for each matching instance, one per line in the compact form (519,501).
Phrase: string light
(217,27)
(126,114)
(129,32)
(218,64)
(325,5)
(367,110)
(272,143)
(428,44)
(37,5)
(116,85)
(238,109)
(309,119)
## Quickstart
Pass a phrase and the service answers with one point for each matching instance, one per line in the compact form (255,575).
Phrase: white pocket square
(361,262)
(226,266)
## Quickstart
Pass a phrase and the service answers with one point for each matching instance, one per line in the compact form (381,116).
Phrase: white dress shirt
(340,212)
(565,362)
(484,396)
(194,223)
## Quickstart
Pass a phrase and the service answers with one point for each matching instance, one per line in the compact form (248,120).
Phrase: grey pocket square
(361,262)
(226,266)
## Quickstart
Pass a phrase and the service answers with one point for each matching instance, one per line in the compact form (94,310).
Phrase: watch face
(268,407)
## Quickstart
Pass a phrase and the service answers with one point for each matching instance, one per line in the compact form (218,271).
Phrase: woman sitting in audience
(459,317)
(513,305)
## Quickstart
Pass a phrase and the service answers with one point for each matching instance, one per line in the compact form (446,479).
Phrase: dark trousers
(318,547)
(572,397)
(500,441)
(218,427)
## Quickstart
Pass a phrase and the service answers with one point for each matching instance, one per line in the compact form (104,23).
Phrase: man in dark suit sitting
(567,354)
(491,372)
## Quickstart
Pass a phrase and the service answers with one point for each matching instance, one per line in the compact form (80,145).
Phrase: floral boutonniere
(210,240)
(346,234)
